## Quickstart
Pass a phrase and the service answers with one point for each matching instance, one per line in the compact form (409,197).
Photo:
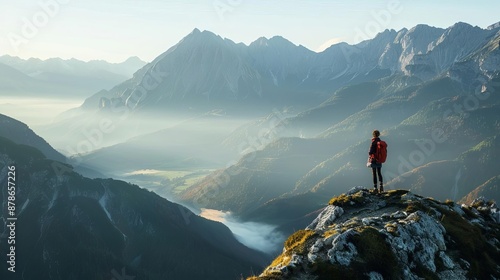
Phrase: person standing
(376,165)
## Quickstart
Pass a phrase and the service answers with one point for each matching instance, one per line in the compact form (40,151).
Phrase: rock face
(204,68)
(393,235)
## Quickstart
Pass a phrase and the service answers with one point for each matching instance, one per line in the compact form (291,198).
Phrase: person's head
(376,133)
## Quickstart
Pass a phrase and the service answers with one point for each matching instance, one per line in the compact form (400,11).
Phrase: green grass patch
(297,241)
(329,233)
(272,276)
(414,206)
(295,244)
(186,182)
(177,181)
(344,200)
(395,193)
(449,202)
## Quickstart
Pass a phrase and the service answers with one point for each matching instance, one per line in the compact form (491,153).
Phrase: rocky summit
(393,235)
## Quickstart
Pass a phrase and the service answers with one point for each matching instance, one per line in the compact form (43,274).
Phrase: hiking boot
(381,188)
(375,190)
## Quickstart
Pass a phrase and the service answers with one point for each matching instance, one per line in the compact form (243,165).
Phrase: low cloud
(262,237)
(329,43)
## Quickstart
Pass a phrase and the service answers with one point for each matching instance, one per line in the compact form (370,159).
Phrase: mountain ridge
(20,133)
(389,50)
(204,72)
(74,78)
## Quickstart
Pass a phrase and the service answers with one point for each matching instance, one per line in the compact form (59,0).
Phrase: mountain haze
(73,227)
(67,78)
(302,120)
(262,135)
(430,72)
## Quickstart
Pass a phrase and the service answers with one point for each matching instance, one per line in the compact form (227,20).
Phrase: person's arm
(373,148)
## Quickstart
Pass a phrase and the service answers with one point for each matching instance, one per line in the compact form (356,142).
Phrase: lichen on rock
(393,235)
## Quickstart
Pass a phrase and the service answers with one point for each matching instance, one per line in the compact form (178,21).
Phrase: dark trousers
(377,171)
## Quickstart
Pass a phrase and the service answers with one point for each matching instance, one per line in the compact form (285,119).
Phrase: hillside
(20,133)
(489,189)
(393,235)
(72,227)
(336,158)
(457,178)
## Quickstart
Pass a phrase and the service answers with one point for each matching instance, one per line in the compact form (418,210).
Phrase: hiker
(377,156)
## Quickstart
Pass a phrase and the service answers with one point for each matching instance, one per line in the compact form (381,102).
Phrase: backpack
(381,153)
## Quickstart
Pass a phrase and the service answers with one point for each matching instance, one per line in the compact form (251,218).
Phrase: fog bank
(262,237)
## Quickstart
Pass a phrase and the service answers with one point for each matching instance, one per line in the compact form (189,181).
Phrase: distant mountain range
(433,93)
(205,72)
(204,69)
(62,78)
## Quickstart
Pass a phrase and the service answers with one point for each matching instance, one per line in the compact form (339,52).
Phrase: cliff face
(393,235)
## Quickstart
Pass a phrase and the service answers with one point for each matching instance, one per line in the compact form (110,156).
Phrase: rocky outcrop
(393,235)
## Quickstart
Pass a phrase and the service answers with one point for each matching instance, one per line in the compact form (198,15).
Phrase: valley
(215,152)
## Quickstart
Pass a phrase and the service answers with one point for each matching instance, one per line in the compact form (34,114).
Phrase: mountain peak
(423,28)
(271,63)
(197,36)
(385,36)
(277,41)
(393,235)
(494,26)
(462,25)
(134,59)
(262,41)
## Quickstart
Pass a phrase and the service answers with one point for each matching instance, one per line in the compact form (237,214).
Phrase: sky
(114,30)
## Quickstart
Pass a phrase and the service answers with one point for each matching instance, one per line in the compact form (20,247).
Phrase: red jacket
(373,147)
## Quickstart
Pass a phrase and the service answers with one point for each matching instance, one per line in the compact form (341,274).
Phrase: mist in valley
(263,237)
(36,111)
(166,154)
(260,137)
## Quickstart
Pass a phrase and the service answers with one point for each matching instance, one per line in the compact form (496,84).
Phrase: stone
(326,217)
(343,251)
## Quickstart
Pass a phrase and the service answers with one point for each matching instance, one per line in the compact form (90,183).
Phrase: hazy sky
(117,29)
